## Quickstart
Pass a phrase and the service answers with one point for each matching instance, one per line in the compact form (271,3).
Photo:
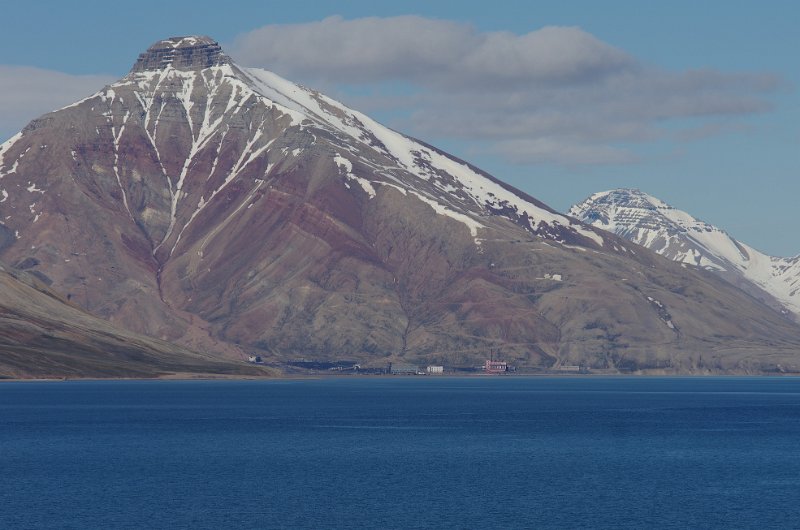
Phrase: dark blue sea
(416,452)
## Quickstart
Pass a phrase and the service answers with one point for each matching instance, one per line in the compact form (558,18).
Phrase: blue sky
(694,102)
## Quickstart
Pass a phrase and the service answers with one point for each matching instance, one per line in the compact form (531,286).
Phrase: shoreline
(311,377)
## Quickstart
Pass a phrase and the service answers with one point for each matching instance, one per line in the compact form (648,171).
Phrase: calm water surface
(506,452)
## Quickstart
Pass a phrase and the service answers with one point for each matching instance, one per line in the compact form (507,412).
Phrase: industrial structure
(494,366)
(403,369)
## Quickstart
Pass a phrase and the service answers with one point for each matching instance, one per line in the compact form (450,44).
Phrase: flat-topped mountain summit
(228,209)
(183,53)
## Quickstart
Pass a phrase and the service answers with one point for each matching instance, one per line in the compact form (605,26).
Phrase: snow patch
(552,276)
(93,96)
(471,223)
(347,166)
(4,149)
(591,234)
(365,185)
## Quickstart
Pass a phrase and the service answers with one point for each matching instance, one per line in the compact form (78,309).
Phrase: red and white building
(495,367)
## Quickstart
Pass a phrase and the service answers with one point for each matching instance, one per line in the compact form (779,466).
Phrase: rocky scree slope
(44,336)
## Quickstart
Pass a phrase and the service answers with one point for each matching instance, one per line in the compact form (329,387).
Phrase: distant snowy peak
(677,235)
(652,223)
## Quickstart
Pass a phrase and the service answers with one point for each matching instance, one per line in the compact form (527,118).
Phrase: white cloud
(427,50)
(554,95)
(27,92)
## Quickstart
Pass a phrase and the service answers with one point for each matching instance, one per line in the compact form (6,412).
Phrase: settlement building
(435,369)
(403,369)
(495,367)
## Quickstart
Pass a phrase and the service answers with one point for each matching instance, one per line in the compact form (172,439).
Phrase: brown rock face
(228,209)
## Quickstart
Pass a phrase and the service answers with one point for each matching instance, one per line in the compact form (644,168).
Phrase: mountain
(230,210)
(42,335)
(675,234)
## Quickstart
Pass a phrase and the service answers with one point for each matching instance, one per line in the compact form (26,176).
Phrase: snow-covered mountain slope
(212,96)
(677,235)
(450,177)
